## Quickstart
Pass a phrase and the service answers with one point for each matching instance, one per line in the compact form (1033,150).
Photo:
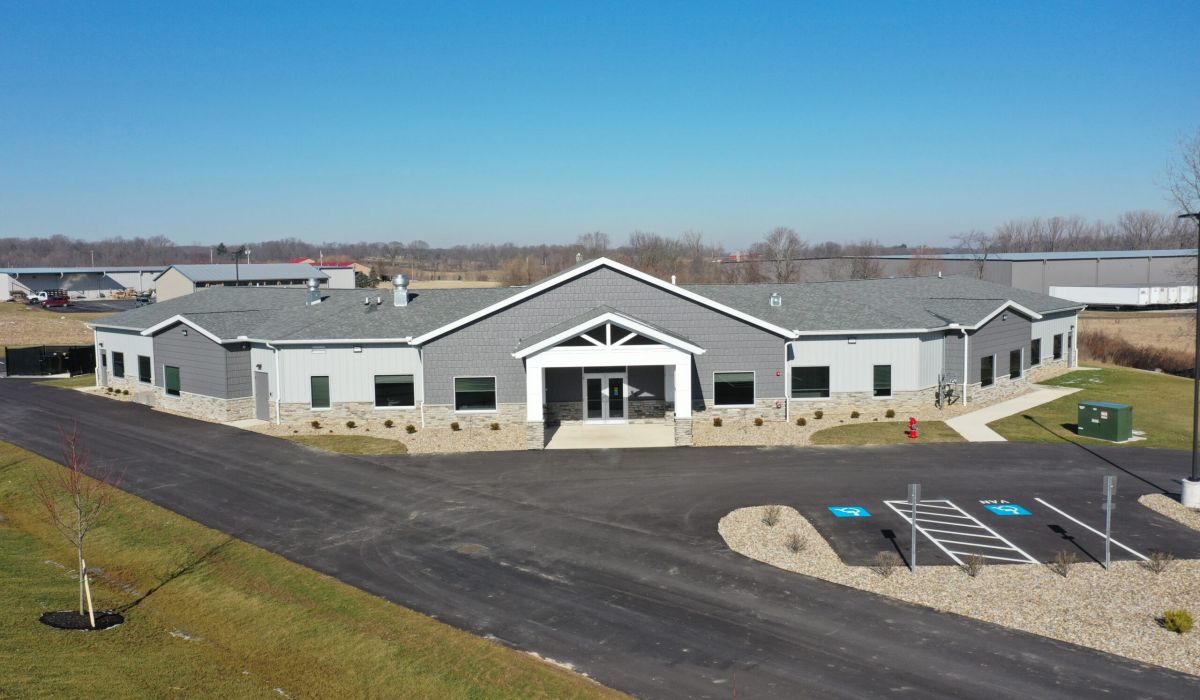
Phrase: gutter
(966,362)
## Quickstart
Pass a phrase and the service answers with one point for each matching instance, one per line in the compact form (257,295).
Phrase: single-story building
(599,342)
(323,264)
(88,282)
(180,280)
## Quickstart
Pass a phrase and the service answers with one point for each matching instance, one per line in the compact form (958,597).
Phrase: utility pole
(1191,486)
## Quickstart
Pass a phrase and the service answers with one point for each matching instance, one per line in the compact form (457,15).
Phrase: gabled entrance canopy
(603,327)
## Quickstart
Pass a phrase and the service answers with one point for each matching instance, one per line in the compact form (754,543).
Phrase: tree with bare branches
(1183,176)
(74,502)
(979,246)
(781,250)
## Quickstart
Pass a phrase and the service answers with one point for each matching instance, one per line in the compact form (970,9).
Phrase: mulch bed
(72,620)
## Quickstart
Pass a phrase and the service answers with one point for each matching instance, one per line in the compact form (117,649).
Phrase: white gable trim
(610,317)
(1010,304)
(180,319)
(583,270)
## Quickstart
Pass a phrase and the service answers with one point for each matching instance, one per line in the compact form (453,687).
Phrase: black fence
(50,359)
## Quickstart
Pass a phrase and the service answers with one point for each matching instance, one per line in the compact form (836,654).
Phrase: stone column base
(535,435)
(683,432)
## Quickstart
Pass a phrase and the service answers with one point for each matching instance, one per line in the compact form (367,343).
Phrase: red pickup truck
(54,299)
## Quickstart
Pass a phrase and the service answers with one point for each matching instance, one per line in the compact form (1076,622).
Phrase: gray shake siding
(206,368)
(952,356)
(485,347)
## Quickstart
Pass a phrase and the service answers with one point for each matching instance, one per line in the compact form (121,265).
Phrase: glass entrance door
(604,398)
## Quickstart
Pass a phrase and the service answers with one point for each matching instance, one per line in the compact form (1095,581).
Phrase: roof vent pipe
(314,294)
(400,282)
(672,279)
(776,300)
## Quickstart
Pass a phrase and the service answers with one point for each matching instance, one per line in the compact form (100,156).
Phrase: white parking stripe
(1083,524)
(903,509)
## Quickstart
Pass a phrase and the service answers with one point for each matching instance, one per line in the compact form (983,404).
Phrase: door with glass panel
(604,397)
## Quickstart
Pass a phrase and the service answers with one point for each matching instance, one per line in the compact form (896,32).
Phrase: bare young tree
(781,249)
(864,262)
(1183,176)
(979,246)
(593,244)
(74,502)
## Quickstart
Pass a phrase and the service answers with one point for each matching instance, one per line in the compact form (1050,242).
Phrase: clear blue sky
(476,122)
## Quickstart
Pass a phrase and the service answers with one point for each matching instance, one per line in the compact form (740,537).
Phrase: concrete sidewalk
(582,437)
(974,425)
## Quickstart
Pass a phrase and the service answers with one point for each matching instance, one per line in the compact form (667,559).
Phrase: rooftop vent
(776,300)
(401,296)
(314,294)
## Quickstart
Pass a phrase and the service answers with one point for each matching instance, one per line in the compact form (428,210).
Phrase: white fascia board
(875,331)
(1010,304)
(337,341)
(609,317)
(180,319)
(101,326)
(583,270)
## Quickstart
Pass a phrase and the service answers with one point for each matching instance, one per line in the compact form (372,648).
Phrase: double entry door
(604,396)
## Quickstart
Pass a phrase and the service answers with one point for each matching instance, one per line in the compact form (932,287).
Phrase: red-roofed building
(358,267)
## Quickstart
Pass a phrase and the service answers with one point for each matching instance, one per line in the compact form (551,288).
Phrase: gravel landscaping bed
(1173,509)
(1114,611)
(433,439)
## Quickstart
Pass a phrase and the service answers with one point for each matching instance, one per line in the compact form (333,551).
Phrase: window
(1058,346)
(810,382)
(319,386)
(171,374)
(394,391)
(1014,364)
(118,364)
(733,388)
(987,370)
(143,369)
(883,380)
(474,393)
(1035,352)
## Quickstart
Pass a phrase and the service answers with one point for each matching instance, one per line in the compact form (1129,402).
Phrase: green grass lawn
(885,434)
(1162,407)
(223,619)
(351,444)
(72,382)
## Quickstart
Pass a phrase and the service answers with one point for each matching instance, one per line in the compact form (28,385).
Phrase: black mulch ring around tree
(72,620)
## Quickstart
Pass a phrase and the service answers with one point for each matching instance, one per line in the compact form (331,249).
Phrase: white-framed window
(395,391)
(319,392)
(144,369)
(1015,366)
(474,394)
(987,370)
(733,388)
(882,380)
(810,382)
(1058,347)
(1035,352)
(118,366)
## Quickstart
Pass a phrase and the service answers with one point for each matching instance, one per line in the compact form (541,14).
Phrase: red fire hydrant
(912,428)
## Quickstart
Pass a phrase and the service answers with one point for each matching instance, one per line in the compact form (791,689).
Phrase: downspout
(278,383)
(787,398)
(966,362)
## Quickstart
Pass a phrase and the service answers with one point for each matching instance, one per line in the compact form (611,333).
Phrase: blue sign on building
(1007,509)
(849,512)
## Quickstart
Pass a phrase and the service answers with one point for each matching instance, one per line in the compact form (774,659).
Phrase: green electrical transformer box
(1107,421)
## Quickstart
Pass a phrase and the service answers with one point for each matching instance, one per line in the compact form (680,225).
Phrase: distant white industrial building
(180,280)
(88,282)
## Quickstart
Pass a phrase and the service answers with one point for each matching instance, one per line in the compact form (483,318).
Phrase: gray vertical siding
(485,347)
(205,367)
(564,384)
(952,356)
(647,382)
(998,338)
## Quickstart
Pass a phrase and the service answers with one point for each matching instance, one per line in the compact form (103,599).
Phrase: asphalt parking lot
(97,306)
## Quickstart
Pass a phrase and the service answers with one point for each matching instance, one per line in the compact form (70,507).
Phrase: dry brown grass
(22,325)
(1170,330)
(1105,348)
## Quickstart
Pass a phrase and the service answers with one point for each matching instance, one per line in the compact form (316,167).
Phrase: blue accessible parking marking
(849,512)
(1007,509)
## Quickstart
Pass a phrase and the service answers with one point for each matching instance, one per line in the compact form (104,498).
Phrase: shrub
(758,422)
(351,424)
(1102,347)
(890,413)
(886,563)
(494,426)
(389,423)
(1158,561)
(1063,561)
(801,421)
(125,392)
(818,414)
(1178,621)
(717,422)
(108,389)
(316,425)
(973,564)
(771,515)
(410,428)
(455,426)
(855,414)
(796,543)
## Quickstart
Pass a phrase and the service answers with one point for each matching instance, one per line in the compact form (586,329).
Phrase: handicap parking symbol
(1007,509)
(849,512)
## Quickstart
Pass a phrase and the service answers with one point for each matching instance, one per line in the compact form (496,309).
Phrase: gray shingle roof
(256,272)
(275,314)
(585,317)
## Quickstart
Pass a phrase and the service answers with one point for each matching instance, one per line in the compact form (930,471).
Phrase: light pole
(1190,495)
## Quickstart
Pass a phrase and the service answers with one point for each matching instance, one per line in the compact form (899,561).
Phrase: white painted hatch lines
(957,533)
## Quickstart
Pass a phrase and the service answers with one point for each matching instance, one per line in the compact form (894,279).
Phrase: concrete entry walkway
(974,425)
(581,437)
